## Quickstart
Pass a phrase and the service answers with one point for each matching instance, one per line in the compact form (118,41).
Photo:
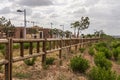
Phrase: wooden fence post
(21,49)
(44,50)
(31,48)
(60,51)
(70,44)
(76,45)
(8,56)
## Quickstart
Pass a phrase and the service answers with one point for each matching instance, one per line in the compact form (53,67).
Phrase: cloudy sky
(104,14)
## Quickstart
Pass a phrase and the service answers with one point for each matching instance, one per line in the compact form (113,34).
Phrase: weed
(79,64)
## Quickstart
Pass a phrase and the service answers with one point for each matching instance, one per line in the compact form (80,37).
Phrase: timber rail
(43,47)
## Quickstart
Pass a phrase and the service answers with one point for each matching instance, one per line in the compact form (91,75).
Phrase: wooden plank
(3,62)
(17,59)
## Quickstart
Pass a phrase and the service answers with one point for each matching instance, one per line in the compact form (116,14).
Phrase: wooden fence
(47,46)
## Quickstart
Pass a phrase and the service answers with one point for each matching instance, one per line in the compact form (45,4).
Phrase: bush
(115,44)
(116,52)
(26,45)
(101,61)
(101,44)
(82,50)
(50,60)
(3,52)
(78,64)
(118,78)
(16,46)
(2,46)
(98,73)
(106,51)
(91,51)
(30,62)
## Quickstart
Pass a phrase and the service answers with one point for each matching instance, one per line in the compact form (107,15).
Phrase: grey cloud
(54,15)
(37,15)
(34,3)
(5,10)
(91,2)
(80,11)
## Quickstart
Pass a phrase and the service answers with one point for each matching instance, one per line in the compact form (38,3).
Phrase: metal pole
(25,23)
(51,30)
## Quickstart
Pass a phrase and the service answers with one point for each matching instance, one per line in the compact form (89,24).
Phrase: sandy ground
(55,71)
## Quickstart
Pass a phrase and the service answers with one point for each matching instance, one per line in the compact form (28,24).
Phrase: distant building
(19,32)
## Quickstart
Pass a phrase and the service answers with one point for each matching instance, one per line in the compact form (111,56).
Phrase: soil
(55,71)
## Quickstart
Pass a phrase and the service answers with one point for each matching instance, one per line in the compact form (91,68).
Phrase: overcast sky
(104,14)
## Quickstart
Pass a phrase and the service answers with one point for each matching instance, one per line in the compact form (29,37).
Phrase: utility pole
(24,11)
(51,30)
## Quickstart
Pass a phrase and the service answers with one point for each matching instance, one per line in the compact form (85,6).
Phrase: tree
(98,33)
(54,32)
(7,27)
(68,34)
(57,32)
(75,25)
(32,31)
(81,25)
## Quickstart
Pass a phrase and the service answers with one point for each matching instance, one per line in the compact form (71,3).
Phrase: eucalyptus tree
(81,25)
(75,26)
(6,26)
(68,34)
(54,32)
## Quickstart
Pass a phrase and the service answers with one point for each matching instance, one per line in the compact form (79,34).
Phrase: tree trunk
(78,33)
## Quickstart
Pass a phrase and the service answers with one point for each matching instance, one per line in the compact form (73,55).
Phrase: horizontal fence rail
(43,47)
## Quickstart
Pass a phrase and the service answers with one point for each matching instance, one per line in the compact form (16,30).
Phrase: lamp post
(24,11)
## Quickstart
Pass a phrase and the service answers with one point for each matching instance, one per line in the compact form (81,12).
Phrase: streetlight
(24,11)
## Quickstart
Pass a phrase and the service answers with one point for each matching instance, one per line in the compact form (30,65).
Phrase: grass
(22,75)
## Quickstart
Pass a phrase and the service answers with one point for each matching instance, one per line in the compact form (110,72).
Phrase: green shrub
(106,51)
(82,50)
(118,78)
(101,61)
(26,45)
(3,52)
(116,52)
(30,62)
(16,46)
(101,44)
(91,51)
(98,73)
(78,64)
(115,44)
(2,46)
(50,60)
